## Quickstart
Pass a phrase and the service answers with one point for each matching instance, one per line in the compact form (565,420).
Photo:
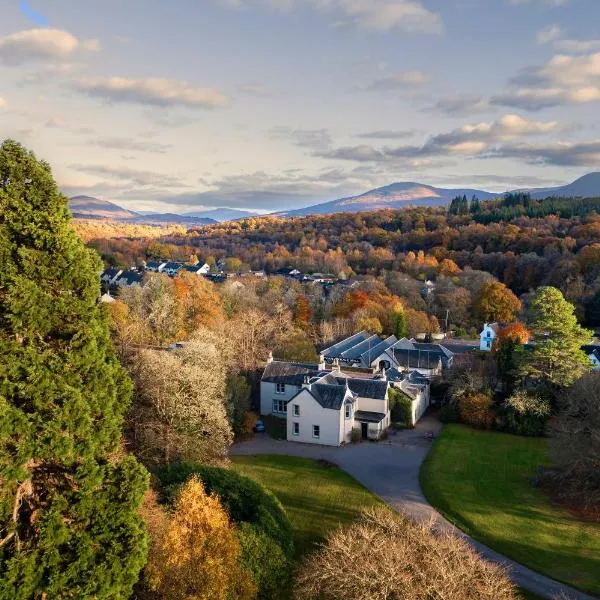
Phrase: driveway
(390,469)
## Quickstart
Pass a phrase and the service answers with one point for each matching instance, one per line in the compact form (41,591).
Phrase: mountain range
(396,195)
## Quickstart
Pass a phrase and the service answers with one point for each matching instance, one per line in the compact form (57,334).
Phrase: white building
(488,335)
(323,407)
(593,352)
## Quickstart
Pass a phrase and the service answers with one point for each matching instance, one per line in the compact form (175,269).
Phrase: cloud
(461,105)
(377,15)
(563,80)
(41,44)
(387,134)
(313,139)
(577,46)
(540,2)
(469,140)
(399,81)
(563,154)
(548,34)
(131,176)
(128,144)
(152,92)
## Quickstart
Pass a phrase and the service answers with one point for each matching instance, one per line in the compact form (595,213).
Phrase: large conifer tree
(69,526)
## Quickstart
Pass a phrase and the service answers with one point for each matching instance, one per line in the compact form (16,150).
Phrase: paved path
(391,470)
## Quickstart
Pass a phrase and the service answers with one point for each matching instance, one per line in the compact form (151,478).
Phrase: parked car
(259,427)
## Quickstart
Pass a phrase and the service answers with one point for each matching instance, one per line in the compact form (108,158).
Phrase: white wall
(487,336)
(373,405)
(268,393)
(312,413)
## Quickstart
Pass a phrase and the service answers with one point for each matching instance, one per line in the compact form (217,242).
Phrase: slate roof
(368,417)
(154,264)
(337,349)
(460,347)
(416,359)
(172,266)
(355,352)
(366,388)
(288,372)
(129,278)
(377,350)
(329,396)
(110,273)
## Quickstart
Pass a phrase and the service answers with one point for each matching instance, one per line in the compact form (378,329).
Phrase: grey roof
(355,352)
(192,268)
(442,350)
(366,388)
(111,272)
(130,277)
(412,377)
(377,350)
(172,266)
(416,359)
(329,396)
(460,347)
(288,372)
(368,417)
(154,264)
(337,349)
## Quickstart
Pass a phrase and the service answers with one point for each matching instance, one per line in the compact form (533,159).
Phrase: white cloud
(548,34)
(131,176)
(399,81)
(378,15)
(151,91)
(39,44)
(460,105)
(563,80)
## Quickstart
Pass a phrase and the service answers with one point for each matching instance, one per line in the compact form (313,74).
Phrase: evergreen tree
(556,358)
(69,526)
(400,325)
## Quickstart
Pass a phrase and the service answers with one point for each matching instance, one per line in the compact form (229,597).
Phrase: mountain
(396,195)
(86,206)
(587,186)
(221,214)
(173,219)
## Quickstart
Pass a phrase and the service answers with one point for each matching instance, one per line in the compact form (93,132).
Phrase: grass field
(482,482)
(317,498)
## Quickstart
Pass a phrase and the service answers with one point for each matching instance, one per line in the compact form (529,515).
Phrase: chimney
(322,365)
(270,358)
(336,366)
(306,383)
(383,375)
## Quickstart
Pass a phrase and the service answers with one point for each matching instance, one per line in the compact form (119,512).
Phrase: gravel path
(391,470)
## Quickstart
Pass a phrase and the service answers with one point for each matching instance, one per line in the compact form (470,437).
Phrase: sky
(264,105)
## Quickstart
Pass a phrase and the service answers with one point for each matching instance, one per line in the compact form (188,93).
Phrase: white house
(416,387)
(488,335)
(323,407)
(109,276)
(156,266)
(198,269)
(593,352)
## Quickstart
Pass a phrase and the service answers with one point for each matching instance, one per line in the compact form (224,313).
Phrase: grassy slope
(315,497)
(483,482)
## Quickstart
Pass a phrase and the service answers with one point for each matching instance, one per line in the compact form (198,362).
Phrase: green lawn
(482,481)
(316,498)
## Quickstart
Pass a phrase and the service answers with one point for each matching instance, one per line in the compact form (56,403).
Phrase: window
(295,428)
(279,407)
(489,344)
(348,411)
(316,431)
(296,410)
(280,389)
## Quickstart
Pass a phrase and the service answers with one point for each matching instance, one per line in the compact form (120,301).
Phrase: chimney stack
(270,358)
(306,383)
(336,366)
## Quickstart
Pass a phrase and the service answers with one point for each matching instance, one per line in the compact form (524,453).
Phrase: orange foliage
(515,332)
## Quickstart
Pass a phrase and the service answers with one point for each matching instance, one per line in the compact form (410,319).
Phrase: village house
(109,276)
(156,266)
(593,353)
(129,279)
(198,269)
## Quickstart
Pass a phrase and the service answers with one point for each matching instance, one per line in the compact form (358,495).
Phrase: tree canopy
(69,526)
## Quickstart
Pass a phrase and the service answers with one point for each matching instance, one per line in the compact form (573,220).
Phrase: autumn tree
(69,495)
(515,332)
(556,358)
(180,411)
(195,554)
(385,555)
(496,303)
(302,312)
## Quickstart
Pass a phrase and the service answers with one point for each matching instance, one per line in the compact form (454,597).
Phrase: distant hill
(221,214)
(396,195)
(86,206)
(172,218)
(587,186)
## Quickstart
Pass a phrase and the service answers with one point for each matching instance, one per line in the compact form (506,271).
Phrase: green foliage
(238,398)
(296,346)
(400,325)
(69,496)
(400,407)
(450,413)
(526,414)
(556,359)
(265,532)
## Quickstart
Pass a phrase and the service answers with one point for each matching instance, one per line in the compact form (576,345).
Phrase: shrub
(356,435)
(246,431)
(526,414)
(384,555)
(400,407)
(450,413)
(476,409)
(256,511)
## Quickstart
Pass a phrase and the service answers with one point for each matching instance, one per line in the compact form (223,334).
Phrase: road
(391,470)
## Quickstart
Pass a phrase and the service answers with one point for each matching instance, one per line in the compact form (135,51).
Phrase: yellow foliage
(194,555)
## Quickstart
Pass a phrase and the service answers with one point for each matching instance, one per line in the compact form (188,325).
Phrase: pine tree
(556,358)
(69,526)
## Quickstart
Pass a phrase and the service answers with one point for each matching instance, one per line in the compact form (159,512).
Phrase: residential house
(172,268)
(156,266)
(323,406)
(593,352)
(488,335)
(129,279)
(109,276)
(197,269)
(415,387)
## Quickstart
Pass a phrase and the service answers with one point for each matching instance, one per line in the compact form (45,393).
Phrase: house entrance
(365,430)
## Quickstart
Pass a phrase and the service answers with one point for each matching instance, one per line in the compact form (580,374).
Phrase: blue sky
(271,104)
